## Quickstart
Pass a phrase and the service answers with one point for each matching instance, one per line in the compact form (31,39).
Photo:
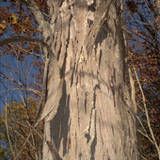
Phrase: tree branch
(43,24)
(147,114)
(20,39)
(7,132)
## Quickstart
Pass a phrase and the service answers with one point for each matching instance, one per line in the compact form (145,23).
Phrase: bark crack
(85,102)
(101,15)
(93,131)
(78,107)
(91,135)
(67,44)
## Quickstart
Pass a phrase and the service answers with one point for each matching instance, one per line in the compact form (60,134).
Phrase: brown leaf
(3,26)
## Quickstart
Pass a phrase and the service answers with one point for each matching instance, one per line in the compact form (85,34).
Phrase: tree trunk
(89,109)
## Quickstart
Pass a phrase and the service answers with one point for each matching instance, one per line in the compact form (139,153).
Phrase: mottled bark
(89,109)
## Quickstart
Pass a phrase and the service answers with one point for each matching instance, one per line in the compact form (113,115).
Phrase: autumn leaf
(3,26)
(13,19)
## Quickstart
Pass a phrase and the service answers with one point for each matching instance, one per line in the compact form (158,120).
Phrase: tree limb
(147,114)
(7,132)
(43,24)
(20,39)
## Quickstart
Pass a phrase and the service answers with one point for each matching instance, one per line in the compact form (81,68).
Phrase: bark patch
(60,124)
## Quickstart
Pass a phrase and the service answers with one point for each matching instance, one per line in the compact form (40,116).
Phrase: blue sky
(21,71)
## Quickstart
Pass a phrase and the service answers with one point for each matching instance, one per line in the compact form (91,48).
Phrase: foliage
(26,141)
(144,55)
(147,67)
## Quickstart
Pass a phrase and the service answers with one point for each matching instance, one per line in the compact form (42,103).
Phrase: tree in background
(144,54)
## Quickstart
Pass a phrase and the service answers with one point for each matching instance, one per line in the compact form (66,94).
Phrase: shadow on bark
(102,34)
(59,125)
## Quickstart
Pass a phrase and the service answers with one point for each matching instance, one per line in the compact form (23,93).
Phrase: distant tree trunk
(89,111)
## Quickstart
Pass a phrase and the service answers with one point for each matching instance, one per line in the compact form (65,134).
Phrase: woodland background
(21,74)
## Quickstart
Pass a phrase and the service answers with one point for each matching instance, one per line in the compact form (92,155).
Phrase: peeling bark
(89,115)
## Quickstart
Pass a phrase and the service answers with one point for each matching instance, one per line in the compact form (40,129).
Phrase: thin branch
(23,146)
(142,37)
(7,132)
(144,158)
(143,127)
(36,92)
(36,131)
(147,114)
(43,95)
(11,79)
(43,24)
(22,136)
(20,39)
(26,139)
(30,53)
(145,135)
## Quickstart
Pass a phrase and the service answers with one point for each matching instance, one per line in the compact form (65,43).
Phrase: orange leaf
(3,26)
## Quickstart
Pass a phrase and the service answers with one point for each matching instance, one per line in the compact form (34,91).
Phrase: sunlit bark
(89,112)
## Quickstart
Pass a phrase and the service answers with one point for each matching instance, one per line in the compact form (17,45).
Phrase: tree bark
(89,111)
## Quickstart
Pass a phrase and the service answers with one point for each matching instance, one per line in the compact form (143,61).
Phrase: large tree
(88,105)
(89,109)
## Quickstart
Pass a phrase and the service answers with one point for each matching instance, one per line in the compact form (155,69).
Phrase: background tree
(143,31)
(21,63)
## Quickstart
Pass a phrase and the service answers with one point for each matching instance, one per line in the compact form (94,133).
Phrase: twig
(19,153)
(144,158)
(21,135)
(147,114)
(43,24)
(20,39)
(141,124)
(7,132)
(145,135)
(36,92)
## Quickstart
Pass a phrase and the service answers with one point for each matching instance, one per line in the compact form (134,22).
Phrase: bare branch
(146,135)
(20,39)
(43,24)
(23,146)
(7,132)
(147,114)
